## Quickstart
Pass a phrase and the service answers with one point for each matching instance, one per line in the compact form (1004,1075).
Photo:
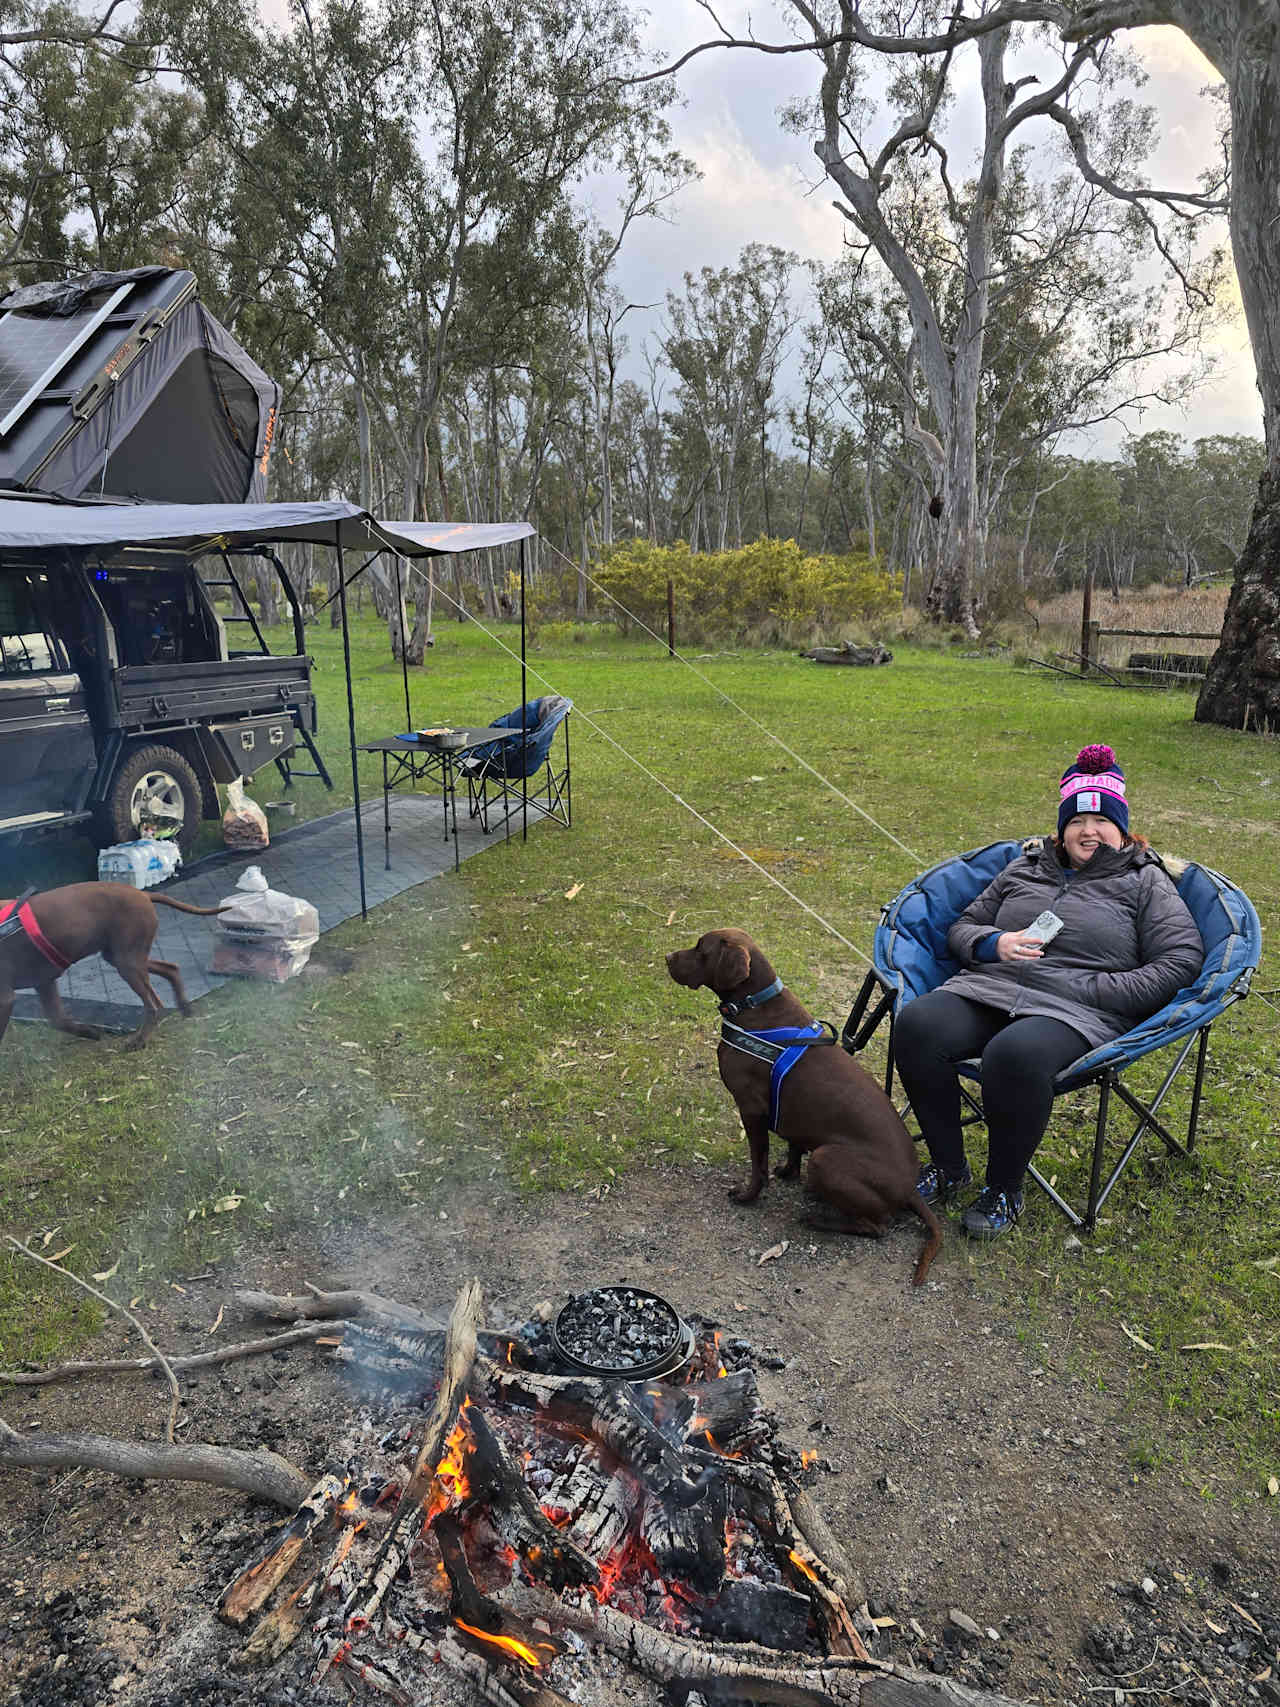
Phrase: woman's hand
(1018,945)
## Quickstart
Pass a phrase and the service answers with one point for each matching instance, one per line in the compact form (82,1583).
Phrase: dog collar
(730,1010)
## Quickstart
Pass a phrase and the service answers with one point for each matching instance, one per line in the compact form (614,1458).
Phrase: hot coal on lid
(617,1327)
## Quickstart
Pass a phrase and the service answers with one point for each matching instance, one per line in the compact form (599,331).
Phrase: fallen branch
(152,1347)
(263,1474)
(315,1305)
(140,1365)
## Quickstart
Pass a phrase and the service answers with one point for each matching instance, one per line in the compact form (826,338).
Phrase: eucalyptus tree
(1241,39)
(724,341)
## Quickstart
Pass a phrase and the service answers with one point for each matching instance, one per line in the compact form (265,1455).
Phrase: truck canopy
(124,385)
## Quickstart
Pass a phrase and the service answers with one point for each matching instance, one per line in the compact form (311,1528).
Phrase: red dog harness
(35,936)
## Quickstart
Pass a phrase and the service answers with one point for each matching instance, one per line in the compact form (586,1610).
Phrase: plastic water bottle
(139,864)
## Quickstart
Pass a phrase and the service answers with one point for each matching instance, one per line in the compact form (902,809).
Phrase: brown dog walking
(69,924)
(862,1162)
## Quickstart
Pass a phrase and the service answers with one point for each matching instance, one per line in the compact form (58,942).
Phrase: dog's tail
(184,907)
(933,1244)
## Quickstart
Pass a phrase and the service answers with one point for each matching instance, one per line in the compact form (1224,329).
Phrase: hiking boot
(936,1186)
(992,1212)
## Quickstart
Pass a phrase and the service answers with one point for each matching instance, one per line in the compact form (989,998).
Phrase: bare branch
(144,1336)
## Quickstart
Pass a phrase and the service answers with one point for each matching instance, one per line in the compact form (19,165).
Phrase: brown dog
(109,919)
(862,1161)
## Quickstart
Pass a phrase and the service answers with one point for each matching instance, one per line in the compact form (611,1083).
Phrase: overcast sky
(760,184)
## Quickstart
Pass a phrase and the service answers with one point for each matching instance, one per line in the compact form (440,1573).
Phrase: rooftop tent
(124,384)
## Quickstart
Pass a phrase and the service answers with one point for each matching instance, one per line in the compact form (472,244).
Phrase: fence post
(1086,626)
(671,619)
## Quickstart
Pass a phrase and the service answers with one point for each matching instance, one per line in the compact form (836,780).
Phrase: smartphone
(1044,928)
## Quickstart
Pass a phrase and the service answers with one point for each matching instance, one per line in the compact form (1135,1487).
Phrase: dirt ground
(965,1467)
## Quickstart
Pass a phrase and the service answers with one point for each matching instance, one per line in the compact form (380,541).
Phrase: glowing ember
(509,1645)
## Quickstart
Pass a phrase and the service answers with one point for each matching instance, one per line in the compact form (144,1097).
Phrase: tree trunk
(1242,687)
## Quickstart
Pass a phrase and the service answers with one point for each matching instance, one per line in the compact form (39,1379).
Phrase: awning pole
(524,718)
(351,717)
(404,656)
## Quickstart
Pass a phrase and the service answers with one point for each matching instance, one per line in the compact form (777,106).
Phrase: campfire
(607,1480)
(540,1506)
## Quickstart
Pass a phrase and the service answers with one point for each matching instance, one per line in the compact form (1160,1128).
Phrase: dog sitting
(862,1162)
(69,924)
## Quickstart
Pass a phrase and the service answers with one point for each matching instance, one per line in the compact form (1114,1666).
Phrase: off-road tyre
(117,819)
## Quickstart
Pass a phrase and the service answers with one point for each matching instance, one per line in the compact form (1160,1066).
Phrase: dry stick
(161,1359)
(139,1365)
(250,1589)
(263,1474)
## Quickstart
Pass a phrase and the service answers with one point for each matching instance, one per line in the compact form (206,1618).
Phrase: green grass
(490,1023)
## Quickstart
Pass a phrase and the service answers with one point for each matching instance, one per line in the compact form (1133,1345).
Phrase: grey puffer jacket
(1127,946)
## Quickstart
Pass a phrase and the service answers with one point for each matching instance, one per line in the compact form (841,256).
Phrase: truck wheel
(155,793)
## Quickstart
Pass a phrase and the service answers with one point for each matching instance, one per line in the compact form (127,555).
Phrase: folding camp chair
(910,956)
(502,774)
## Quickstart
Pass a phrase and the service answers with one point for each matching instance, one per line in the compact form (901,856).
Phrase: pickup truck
(122,707)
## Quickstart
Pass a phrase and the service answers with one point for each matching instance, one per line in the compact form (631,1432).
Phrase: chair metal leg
(1099,1140)
(1194,1119)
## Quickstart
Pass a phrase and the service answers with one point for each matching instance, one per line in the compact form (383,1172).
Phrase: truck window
(27,648)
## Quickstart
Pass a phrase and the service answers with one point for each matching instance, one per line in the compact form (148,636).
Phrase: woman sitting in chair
(1072,945)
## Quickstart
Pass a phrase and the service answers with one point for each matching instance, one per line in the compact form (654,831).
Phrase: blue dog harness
(781,1047)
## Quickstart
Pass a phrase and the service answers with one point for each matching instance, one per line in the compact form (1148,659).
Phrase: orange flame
(808,1456)
(802,1566)
(509,1644)
(451,1484)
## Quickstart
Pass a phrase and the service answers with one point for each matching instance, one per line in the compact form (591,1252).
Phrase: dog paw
(787,1170)
(745,1193)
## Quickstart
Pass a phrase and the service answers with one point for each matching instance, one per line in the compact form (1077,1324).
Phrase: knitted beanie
(1093,783)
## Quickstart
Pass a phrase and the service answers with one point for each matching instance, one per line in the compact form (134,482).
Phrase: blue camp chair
(910,956)
(502,774)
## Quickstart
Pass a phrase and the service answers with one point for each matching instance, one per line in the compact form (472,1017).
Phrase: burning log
(496,1482)
(597,1503)
(500,1686)
(738,1669)
(250,1590)
(609,1413)
(727,1410)
(817,1532)
(264,1475)
(459,1359)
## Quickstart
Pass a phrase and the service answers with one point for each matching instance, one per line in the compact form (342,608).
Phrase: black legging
(1020,1058)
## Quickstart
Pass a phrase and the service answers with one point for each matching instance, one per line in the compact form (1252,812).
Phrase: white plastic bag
(244,823)
(256,912)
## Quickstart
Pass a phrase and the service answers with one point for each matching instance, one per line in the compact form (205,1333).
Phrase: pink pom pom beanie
(1094,782)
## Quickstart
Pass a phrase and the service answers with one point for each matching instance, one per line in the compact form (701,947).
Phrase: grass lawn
(490,1022)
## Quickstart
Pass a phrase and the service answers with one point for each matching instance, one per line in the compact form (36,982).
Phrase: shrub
(769,587)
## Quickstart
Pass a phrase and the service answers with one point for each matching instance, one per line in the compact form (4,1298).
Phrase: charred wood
(597,1501)
(817,1532)
(264,1475)
(497,1482)
(497,1684)
(610,1414)
(459,1358)
(250,1590)
(687,1542)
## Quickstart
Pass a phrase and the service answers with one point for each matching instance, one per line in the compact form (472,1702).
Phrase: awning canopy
(31,525)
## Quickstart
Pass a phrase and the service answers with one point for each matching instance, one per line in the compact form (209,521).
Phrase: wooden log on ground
(848,653)
(386,1313)
(250,1589)
(264,1475)
(817,1532)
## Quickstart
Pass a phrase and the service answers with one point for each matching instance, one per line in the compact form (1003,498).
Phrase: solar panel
(35,348)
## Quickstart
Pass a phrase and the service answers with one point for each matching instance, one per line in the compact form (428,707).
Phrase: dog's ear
(731,967)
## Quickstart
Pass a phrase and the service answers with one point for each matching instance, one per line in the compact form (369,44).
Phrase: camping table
(407,763)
